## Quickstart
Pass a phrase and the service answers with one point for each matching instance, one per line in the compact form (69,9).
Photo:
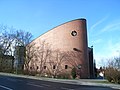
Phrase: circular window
(74,33)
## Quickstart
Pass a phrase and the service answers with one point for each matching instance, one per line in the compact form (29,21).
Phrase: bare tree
(22,38)
(6,40)
(117,63)
(114,62)
(30,56)
(36,57)
(42,55)
(73,58)
(58,59)
(56,63)
(11,37)
(112,71)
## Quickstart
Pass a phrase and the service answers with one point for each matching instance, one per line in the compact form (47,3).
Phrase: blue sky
(39,16)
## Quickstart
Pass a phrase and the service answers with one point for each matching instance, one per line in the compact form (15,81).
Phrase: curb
(76,82)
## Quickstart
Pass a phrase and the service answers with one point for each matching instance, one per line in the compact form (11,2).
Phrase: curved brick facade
(69,36)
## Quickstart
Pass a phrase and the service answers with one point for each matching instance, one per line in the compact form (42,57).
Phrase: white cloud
(110,50)
(101,60)
(97,23)
(114,25)
(97,41)
(111,27)
(114,48)
(109,47)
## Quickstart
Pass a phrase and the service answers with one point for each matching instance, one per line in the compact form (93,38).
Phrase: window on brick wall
(37,67)
(30,68)
(54,66)
(66,66)
(44,67)
(73,33)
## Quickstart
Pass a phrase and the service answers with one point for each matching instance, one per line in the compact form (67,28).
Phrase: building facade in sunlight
(57,52)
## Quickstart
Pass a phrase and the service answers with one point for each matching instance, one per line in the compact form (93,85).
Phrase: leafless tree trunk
(43,53)
(30,55)
(10,38)
(22,38)
(55,63)
(112,71)
(73,58)
(6,40)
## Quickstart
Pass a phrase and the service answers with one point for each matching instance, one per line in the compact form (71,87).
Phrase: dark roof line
(58,26)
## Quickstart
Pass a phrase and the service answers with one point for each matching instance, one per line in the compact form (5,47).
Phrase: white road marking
(66,88)
(11,79)
(45,85)
(19,80)
(34,85)
(14,80)
(41,85)
(5,87)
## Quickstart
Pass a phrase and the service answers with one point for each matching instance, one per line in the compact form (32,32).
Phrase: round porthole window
(74,33)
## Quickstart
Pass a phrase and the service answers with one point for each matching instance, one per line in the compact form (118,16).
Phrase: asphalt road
(17,83)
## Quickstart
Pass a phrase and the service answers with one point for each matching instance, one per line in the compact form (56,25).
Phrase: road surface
(18,83)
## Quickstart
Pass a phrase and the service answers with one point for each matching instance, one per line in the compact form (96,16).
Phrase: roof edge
(58,26)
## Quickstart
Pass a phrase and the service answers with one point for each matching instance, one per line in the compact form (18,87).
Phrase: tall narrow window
(44,67)
(66,66)
(37,67)
(30,68)
(53,66)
